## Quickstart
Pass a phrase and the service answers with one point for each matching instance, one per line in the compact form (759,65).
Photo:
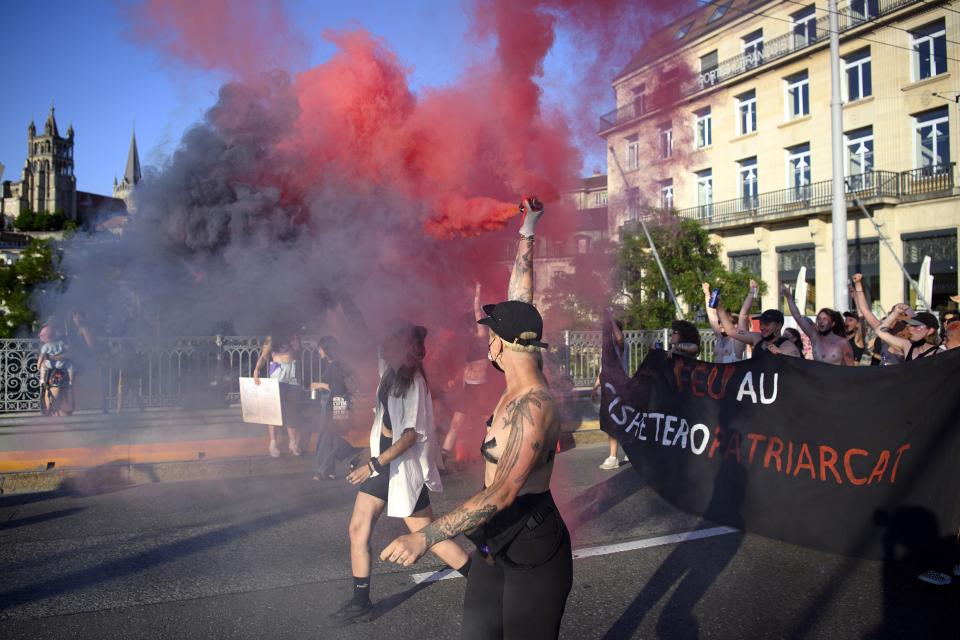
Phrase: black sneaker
(351,612)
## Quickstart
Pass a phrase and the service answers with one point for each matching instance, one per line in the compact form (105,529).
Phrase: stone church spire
(50,127)
(131,174)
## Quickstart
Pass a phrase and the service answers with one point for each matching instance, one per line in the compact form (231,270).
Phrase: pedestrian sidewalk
(40,453)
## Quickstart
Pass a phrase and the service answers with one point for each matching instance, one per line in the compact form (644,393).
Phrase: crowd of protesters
(852,338)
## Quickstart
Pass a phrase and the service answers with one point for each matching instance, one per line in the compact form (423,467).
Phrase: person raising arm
(827,337)
(922,326)
(521,539)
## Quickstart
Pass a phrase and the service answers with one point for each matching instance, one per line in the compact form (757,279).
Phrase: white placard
(261,403)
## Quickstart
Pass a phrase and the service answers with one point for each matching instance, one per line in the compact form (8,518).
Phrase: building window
(860,158)
(932,139)
(708,69)
(719,11)
(747,112)
(861,10)
(703,132)
(941,246)
(804,26)
(600,199)
(666,195)
(748,261)
(639,100)
(705,192)
(798,95)
(857,69)
(633,152)
(666,141)
(789,262)
(929,44)
(753,49)
(863,256)
(633,203)
(798,170)
(748,183)
(583,244)
(683,31)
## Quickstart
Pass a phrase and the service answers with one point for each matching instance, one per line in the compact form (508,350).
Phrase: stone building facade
(47,182)
(744,145)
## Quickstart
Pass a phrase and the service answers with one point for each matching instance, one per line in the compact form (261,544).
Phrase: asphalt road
(267,557)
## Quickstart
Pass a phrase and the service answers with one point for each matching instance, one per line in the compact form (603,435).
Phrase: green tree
(689,258)
(37,267)
(28,220)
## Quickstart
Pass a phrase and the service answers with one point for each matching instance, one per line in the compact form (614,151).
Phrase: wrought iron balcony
(766,52)
(870,187)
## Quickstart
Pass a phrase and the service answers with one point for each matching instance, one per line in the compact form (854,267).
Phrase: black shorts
(378,486)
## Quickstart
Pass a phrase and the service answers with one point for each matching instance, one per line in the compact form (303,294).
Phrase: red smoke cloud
(466,152)
(242,37)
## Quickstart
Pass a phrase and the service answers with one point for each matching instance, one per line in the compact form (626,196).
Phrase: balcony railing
(768,51)
(927,182)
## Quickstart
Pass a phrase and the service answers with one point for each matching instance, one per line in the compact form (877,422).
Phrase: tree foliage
(29,220)
(689,258)
(36,268)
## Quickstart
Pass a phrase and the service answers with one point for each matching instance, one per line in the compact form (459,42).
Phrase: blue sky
(78,55)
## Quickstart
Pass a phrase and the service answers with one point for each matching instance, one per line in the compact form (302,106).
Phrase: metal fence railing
(916,184)
(147,372)
(579,351)
(204,370)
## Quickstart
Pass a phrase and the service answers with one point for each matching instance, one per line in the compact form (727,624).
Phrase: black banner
(861,461)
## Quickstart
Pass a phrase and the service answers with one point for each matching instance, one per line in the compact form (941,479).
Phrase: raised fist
(530,217)
(785,289)
(857,278)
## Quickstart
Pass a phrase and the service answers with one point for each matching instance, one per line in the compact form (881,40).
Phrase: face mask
(493,359)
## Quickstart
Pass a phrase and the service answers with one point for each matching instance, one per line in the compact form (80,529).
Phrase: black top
(334,374)
(489,444)
(857,351)
(383,392)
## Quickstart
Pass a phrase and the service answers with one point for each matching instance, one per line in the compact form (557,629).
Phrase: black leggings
(522,595)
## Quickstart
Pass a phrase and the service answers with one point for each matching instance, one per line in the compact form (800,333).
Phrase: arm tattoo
(521,279)
(478,510)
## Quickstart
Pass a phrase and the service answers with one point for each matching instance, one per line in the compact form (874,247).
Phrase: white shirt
(724,349)
(416,466)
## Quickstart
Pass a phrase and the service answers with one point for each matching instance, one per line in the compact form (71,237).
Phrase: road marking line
(602,550)
(652,542)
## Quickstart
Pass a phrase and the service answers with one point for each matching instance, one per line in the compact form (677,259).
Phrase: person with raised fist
(523,568)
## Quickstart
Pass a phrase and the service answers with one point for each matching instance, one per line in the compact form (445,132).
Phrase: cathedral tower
(49,184)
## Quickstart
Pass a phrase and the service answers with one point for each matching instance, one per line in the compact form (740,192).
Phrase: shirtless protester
(523,569)
(828,338)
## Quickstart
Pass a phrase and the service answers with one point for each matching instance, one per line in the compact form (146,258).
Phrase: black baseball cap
(850,314)
(511,318)
(770,315)
(923,319)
